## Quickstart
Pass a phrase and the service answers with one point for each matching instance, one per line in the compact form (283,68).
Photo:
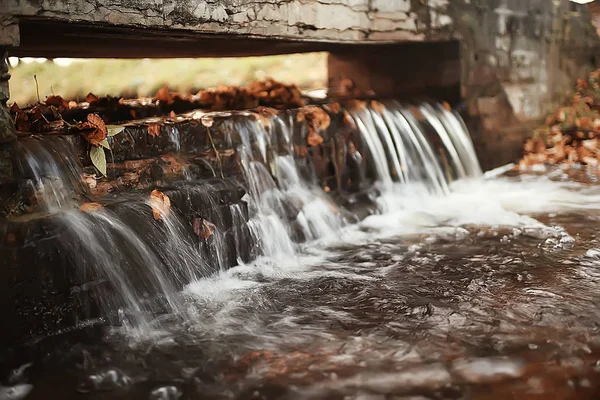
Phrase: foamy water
(474,205)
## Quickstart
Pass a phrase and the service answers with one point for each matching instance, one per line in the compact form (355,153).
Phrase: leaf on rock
(314,139)
(160,204)
(90,207)
(56,101)
(98,158)
(94,130)
(154,129)
(114,129)
(202,228)
(91,98)
(163,95)
(104,143)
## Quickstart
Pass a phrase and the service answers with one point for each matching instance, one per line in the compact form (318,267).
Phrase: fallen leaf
(314,139)
(90,207)
(56,101)
(91,98)
(114,130)
(160,204)
(154,129)
(98,158)
(94,130)
(163,95)
(202,228)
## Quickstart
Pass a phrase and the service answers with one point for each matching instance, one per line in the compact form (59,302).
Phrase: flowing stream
(460,285)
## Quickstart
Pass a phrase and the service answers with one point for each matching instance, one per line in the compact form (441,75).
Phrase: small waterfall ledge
(239,184)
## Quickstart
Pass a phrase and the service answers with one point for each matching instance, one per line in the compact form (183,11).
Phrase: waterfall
(50,167)
(137,265)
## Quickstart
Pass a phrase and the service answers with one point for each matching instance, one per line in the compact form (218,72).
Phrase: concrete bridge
(506,61)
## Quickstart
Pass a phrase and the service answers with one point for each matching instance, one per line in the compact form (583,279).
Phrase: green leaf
(104,143)
(98,159)
(114,129)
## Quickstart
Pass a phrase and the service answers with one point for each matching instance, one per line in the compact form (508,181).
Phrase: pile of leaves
(58,115)
(90,117)
(571,135)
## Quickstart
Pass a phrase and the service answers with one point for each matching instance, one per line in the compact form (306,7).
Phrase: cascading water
(138,259)
(51,170)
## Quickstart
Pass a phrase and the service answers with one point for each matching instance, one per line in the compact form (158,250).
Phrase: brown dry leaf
(91,98)
(583,122)
(160,204)
(163,95)
(58,126)
(314,139)
(202,228)
(582,84)
(535,145)
(22,121)
(154,129)
(94,130)
(56,101)
(90,207)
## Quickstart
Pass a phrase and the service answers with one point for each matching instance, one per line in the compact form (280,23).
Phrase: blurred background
(74,78)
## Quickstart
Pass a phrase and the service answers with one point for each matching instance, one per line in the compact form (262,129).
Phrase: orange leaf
(91,98)
(94,130)
(56,101)
(154,130)
(90,207)
(314,139)
(163,95)
(203,228)
(160,204)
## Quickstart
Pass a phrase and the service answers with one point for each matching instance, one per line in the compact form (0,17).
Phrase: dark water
(440,298)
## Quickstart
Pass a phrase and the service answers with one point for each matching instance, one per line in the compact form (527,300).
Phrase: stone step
(49,280)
